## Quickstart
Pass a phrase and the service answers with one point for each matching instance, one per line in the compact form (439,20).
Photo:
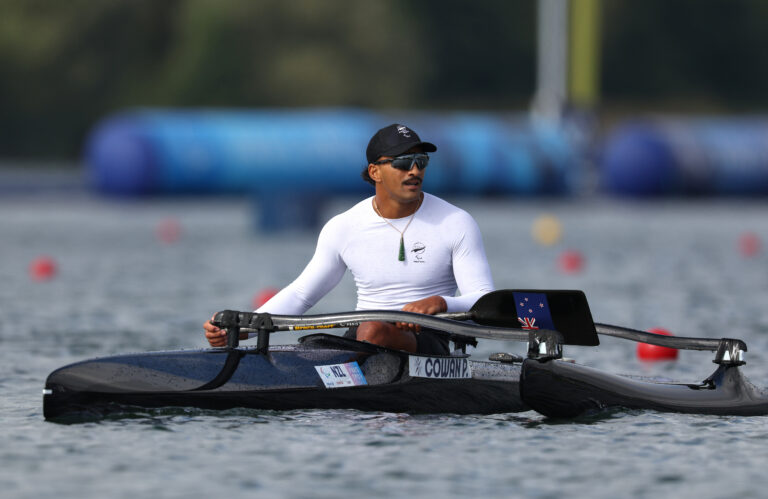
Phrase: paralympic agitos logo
(418,250)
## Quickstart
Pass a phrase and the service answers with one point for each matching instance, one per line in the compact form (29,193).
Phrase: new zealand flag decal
(533,311)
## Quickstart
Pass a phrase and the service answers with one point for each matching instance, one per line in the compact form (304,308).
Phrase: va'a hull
(564,390)
(284,378)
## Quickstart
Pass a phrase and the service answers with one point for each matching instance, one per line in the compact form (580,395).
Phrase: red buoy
(42,268)
(749,244)
(263,297)
(168,230)
(653,353)
(571,261)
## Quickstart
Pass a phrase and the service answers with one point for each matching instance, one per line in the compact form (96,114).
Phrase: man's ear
(374,173)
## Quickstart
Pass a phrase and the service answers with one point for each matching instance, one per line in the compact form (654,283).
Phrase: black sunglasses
(405,162)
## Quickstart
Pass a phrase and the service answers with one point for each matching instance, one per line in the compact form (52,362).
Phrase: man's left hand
(429,306)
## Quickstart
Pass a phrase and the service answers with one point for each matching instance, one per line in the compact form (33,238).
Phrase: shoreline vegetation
(73,63)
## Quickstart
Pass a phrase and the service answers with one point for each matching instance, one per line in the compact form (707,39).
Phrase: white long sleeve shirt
(443,253)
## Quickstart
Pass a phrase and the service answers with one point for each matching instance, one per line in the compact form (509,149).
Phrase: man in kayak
(407,250)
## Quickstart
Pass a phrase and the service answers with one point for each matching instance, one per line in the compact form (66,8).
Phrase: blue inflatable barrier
(715,156)
(166,152)
(318,152)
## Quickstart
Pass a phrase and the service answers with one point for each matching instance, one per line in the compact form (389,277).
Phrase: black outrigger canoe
(330,372)
(322,371)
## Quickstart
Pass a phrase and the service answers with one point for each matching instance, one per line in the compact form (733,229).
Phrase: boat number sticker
(439,367)
(341,375)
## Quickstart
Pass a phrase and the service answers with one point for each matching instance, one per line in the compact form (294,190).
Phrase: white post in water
(552,58)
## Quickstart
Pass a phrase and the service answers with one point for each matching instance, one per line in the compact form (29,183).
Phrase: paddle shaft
(542,343)
(349,319)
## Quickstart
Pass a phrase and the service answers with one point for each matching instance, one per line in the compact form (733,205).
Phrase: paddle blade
(564,311)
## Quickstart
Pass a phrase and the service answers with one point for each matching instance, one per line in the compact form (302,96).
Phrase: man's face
(400,185)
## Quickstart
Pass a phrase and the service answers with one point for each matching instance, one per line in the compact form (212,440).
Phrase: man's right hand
(216,336)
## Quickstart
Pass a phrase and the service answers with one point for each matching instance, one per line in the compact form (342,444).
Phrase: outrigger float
(325,371)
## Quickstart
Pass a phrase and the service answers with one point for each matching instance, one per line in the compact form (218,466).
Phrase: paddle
(517,315)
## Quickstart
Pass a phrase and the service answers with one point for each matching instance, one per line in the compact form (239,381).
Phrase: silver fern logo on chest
(417,250)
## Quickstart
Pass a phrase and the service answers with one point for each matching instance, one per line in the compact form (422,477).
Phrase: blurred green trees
(66,64)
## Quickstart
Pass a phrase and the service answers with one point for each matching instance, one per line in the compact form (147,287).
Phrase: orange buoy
(653,353)
(42,268)
(263,297)
(571,261)
(168,230)
(749,244)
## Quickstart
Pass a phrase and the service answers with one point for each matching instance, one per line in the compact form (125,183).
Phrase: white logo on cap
(403,130)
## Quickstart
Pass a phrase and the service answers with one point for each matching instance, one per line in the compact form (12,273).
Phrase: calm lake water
(119,288)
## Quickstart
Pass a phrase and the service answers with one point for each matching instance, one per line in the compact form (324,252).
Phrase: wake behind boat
(330,372)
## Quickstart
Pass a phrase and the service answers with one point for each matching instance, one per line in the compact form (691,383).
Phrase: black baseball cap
(393,140)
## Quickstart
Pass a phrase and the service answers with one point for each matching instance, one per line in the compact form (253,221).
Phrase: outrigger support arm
(730,351)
